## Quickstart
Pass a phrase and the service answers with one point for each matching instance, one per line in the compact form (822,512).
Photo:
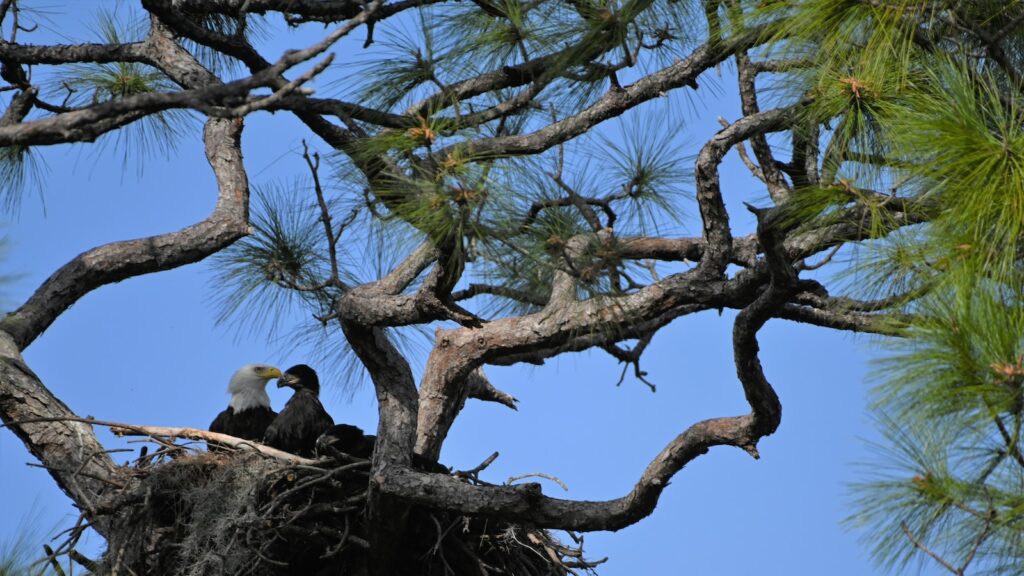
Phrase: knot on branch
(752,450)
(530,490)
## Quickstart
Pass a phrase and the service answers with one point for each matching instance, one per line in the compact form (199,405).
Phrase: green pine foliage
(922,110)
(85,84)
(21,169)
(22,553)
(280,267)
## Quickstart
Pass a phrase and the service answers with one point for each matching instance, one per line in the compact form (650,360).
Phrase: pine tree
(465,170)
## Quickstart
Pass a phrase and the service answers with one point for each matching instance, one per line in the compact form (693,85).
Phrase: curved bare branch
(525,503)
(119,260)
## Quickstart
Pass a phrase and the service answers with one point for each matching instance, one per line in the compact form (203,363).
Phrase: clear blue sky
(147,351)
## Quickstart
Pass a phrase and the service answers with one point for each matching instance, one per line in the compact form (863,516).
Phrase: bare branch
(71,53)
(709,194)
(770,173)
(120,260)
(171,432)
(920,546)
(886,325)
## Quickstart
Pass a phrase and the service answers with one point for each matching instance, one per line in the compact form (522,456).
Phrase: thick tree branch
(770,173)
(717,233)
(525,503)
(67,448)
(71,53)
(397,408)
(120,260)
(574,326)
(296,10)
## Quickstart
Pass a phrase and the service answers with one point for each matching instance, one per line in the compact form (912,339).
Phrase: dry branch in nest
(241,512)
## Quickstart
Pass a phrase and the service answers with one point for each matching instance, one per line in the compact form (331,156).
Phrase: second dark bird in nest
(345,439)
(303,419)
(342,441)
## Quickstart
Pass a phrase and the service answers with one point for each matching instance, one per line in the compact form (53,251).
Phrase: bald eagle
(303,419)
(248,413)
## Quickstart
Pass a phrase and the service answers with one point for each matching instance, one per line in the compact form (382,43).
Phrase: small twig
(652,267)
(5,5)
(51,557)
(741,149)
(1008,440)
(86,562)
(270,560)
(828,258)
(86,461)
(632,358)
(330,552)
(325,214)
(979,540)
(69,471)
(474,473)
(80,526)
(538,475)
(552,554)
(15,25)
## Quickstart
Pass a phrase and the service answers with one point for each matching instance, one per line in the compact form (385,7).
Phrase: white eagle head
(248,386)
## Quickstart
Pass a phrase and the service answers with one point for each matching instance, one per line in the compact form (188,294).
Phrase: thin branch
(741,149)
(615,102)
(554,479)
(196,434)
(474,473)
(982,535)
(475,289)
(778,189)
(920,546)
(313,162)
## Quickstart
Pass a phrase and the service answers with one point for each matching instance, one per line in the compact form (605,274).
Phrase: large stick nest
(245,513)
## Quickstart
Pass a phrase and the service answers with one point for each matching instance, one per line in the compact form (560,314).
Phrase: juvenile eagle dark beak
(287,380)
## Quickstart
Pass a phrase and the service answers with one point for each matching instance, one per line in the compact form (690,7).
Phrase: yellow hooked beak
(268,372)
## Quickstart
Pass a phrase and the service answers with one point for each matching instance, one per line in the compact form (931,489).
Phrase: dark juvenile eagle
(248,413)
(303,419)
